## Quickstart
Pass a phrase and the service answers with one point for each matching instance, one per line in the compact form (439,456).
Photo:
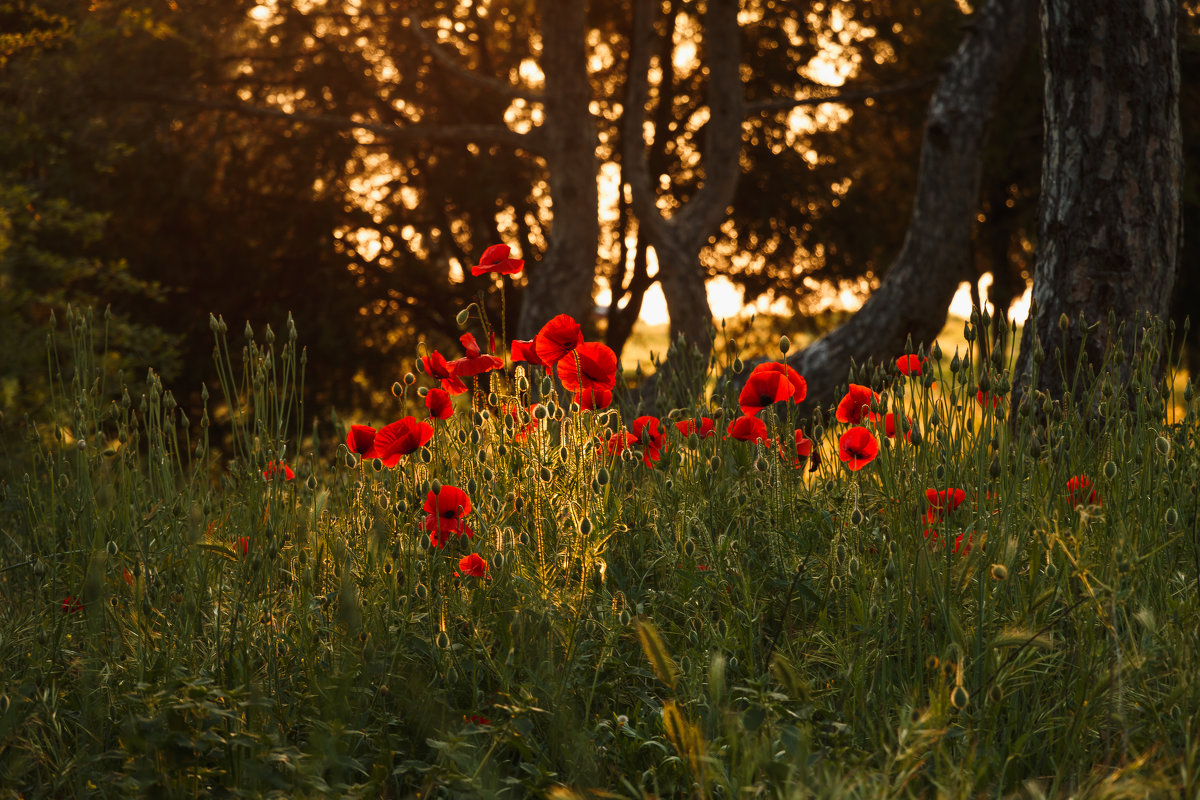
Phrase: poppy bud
(401,506)
(959,698)
(889,570)
(544,475)
(969,333)
(1171,517)
(669,484)
(714,463)
(540,412)
(955,364)
(1171,465)
(522,384)
(856,517)
(1064,322)
(785,344)
(995,694)
(311,483)
(426,455)
(377,464)
(113,549)
(760,464)
(602,476)
(994,467)
(249,332)
(624,617)
(738,366)
(462,317)
(524,538)
(442,641)
(547,385)
(585,527)
(1051,570)
(1162,445)
(422,391)
(939,474)
(351,460)
(689,548)
(421,591)
(999,572)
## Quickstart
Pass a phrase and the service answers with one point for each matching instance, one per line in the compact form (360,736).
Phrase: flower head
(437,367)
(475,362)
(592,397)
(909,364)
(71,604)
(763,388)
(800,451)
(557,337)
(496,259)
(856,404)
(400,438)
(473,565)
(447,510)
(649,431)
(361,440)
(278,469)
(703,427)
(1082,492)
(589,365)
(942,502)
(748,429)
(857,447)
(524,350)
(439,404)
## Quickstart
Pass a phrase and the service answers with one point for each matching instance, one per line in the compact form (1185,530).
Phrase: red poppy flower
(856,404)
(495,259)
(909,364)
(400,438)
(799,385)
(801,450)
(243,544)
(437,367)
(763,388)
(71,604)
(439,404)
(649,431)
(748,429)
(1082,492)
(474,362)
(593,398)
(475,719)
(704,430)
(361,440)
(943,502)
(473,565)
(987,399)
(889,424)
(620,441)
(557,337)
(857,447)
(591,364)
(276,469)
(523,350)
(447,510)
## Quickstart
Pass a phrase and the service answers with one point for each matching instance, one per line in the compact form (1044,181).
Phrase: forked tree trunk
(678,240)
(914,297)
(1109,234)
(562,282)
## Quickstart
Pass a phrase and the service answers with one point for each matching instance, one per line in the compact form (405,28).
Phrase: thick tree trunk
(1109,233)
(678,240)
(914,298)
(562,282)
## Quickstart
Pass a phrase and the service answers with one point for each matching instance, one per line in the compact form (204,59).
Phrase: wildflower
(799,385)
(762,389)
(475,719)
(557,337)
(400,438)
(361,440)
(439,404)
(447,510)
(473,565)
(889,424)
(71,604)
(475,362)
(276,469)
(620,441)
(856,404)
(1082,492)
(592,398)
(496,259)
(590,365)
(243,544)
(649,431)
(909,364)
(522,432)
(748,429)
(943,502)
(703,430)
(801,451)
(437,367)
(523,350)
(987,399)
(857,447)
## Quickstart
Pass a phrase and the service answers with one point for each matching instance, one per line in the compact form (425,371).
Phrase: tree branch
(461,132)
(786,104)
(438,51)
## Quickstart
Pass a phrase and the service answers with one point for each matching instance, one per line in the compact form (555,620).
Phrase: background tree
(1109,236)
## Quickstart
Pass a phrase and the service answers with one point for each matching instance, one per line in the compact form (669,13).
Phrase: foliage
(710,621)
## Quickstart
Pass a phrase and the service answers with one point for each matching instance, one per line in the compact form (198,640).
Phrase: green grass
(718,623)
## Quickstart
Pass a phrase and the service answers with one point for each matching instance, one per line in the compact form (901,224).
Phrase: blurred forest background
(346,161)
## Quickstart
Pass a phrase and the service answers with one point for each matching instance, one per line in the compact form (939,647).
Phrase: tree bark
(914,298)
(1109,232)
(677,240)
(562,282)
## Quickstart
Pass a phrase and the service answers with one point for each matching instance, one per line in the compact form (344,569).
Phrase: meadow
(503,593)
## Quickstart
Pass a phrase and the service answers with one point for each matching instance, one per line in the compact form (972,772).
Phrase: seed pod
(959,698)
(999,572)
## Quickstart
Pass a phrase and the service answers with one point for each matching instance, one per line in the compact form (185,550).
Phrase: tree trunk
(562,282)
(914,298)
(677,240)
(1109,233)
